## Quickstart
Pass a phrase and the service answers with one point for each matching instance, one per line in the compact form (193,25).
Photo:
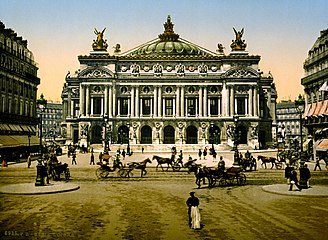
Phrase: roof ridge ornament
(168,34)
(99,44)
(238,44)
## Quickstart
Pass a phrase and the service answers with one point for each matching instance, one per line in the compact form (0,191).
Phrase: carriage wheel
(101,173)
(176,167)
(67,174)
(241,179)
(222,182)
(54,175)
(278,165)
(213,182)
(122,173)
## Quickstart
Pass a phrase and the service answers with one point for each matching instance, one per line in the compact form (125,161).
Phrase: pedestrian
(142,150)
(200,154)
(205,152)
(317,164)
(74,158)
(123,154)
(288,172)
(221,165)
(305,174)
(214,156)
(193,211)
(29,161)
(294,180)
(4,162)
(92,159)
(100,157)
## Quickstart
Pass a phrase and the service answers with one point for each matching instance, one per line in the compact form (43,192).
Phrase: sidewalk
(282,189)
(30,188)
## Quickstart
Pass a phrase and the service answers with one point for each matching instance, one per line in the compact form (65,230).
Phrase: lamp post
(299,106)
(105,118)
(29,143)
(235,140)
(41,171)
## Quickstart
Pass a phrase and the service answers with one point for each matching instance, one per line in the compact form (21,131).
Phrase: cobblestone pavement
(154,207)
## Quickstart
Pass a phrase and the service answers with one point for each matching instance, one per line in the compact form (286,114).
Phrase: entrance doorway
(192,135)
(169,135)
(146,135)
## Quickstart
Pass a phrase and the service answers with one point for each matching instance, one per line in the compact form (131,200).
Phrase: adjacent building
(169,91)
(316,92)
(18,87)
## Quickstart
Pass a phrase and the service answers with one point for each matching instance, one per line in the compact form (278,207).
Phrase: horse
(139,165)
(266,160)
(162,160)
(201,174)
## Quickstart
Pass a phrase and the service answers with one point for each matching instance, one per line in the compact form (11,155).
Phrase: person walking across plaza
(74,158)
(317,164)
(294,180)
(92,159)
(193,211)
(288,172)
(29,161)
(200,154)
(205,152)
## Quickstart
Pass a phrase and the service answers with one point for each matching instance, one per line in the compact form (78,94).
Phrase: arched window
(192,135)
(146,135)
(169,135)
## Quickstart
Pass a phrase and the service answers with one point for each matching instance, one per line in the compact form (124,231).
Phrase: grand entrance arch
(192,135)
(96,136)
(146,135)
(214,134)
(169,135)
(123,135)
(242,134)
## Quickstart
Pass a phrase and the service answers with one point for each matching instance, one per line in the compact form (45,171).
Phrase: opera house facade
(169,91)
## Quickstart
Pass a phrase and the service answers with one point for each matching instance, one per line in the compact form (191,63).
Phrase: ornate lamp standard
(299,106)
(40,168)
(105,118)
(235,138)
(128,150)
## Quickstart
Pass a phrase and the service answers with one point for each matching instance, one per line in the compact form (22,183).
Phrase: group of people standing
(292,179)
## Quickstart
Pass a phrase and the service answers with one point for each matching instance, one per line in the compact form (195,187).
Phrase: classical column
(110,111)
(205,105)
(255,103)
(250,99)
(132,100)
(82,100)
(178,102)
(182,102)
(118,107)
(69,102)
(102,106)
(225,101)
(106,100)
(129,106)
(87,100)
(141,107)
(232,101)
(160,101)
(155,102)
(200,101)
(114,100)
(91,106)
(174,110)
(137,102)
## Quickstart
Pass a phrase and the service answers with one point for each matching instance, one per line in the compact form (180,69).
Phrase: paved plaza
(154,207)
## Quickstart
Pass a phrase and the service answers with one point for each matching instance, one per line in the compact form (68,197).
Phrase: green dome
(168,44)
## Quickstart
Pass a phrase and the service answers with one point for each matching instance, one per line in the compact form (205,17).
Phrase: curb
(282,189)
(31,189)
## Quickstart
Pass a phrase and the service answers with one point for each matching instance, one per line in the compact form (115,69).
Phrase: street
(154,207)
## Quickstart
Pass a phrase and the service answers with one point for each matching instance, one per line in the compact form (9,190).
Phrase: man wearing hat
(193,211)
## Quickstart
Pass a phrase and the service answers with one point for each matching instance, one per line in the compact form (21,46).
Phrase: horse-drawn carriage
(121,170)
(210,176)
(274,162)
(175,165)
(56,169)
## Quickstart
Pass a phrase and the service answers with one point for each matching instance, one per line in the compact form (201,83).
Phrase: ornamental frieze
(241,73)
(95,73)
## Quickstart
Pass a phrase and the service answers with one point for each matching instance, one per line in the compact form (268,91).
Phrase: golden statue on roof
(99,44)
(238,44)
(168,34)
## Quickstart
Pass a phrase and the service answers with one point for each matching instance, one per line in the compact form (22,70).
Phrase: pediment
(242,73)
(96,73)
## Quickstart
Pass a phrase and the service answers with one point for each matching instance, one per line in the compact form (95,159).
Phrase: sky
(281,31)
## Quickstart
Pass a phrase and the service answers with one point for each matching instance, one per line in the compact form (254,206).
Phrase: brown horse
(266,160)
(162,160)
(139,165)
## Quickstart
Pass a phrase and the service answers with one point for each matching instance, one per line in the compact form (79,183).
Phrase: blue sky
(280,31)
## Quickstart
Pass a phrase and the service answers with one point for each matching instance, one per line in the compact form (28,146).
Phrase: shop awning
(4,127)
(312,110)
(323,145)
(318,108)
(18,141)
(307,109)
(324,109)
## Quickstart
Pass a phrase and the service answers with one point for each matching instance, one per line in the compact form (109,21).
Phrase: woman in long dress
(193,211)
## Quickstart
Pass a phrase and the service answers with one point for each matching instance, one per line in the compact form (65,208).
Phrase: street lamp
(235,140)
(299,106)
(105,118)
(41,171)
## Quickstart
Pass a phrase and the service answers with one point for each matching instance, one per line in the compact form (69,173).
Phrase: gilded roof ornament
(99,44)
(168,34)
(238,44)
